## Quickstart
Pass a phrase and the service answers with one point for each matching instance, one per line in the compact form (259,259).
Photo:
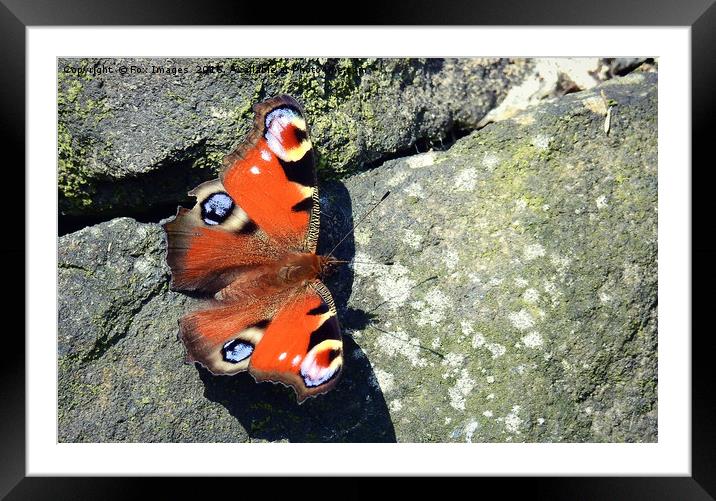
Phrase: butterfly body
(249,244)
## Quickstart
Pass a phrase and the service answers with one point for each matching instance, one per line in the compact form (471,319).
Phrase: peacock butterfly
(249,243)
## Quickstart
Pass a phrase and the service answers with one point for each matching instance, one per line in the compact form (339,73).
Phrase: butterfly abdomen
(299,268)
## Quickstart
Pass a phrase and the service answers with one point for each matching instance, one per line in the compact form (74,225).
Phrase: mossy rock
(129,142)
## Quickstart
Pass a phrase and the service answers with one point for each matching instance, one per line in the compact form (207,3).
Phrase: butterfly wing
(301,346)
(264,203)
(210,244)
(291,336)
(223,336)
(272,176)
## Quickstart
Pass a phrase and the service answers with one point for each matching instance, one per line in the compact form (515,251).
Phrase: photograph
(357,250)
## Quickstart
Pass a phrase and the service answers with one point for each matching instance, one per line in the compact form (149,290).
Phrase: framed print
(468,253)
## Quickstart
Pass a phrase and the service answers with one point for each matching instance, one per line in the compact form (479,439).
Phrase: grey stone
(506,290)
(129,143)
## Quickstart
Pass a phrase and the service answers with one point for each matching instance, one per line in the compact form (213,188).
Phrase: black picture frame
(700,15)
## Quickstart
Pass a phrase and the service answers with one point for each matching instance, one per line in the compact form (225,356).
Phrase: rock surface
(123,135)
(505,291)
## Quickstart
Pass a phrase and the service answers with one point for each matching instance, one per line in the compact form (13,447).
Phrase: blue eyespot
(235,351)
(216,208)
(285,115)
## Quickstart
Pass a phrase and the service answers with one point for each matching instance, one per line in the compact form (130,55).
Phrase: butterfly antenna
(434,352)
(359,222)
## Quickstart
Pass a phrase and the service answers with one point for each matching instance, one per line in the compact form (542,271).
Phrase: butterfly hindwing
(222,338)
(209,244)
(292,337)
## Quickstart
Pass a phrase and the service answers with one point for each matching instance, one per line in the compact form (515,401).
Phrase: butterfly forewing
(274,179)
(302,345)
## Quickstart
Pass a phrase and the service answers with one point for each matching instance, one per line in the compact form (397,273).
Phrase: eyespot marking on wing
(286,134)
(322,363)
(216,208)
(236,350)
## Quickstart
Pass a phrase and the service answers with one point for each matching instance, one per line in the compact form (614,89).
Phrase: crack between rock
(70,266)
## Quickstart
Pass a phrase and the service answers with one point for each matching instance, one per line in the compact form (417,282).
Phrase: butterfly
(249,243)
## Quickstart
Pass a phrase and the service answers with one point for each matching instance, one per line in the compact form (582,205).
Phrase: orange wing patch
(207,258)
(301,346)
(261,186)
